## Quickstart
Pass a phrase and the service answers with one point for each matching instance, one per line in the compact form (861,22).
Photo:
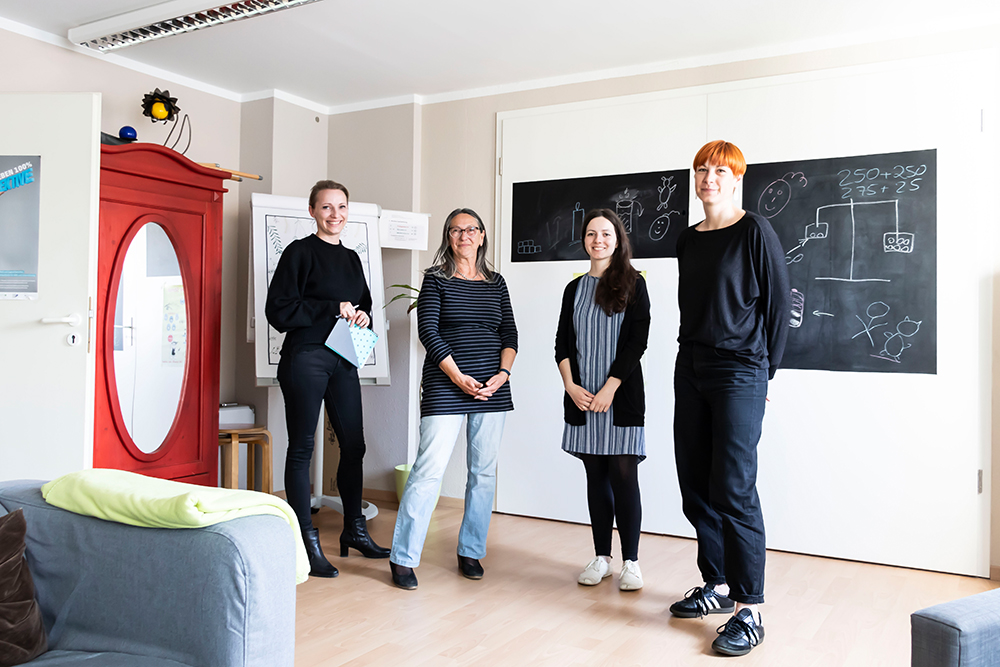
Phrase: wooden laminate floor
(529,610)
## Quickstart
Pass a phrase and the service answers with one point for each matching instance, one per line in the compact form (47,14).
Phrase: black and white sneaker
(739,635)
(700,601)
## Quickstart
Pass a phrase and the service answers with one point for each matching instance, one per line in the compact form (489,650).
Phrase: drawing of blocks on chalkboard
(528,247)
(898,242)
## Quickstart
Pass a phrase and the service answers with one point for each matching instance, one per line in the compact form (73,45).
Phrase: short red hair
(724,153)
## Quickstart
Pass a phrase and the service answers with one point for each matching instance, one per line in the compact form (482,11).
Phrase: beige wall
(376,155)
(287,145)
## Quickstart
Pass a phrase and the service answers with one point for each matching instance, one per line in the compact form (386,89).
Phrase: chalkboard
(547,216)
(860,241)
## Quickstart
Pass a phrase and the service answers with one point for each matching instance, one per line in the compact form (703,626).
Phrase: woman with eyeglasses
(466,325)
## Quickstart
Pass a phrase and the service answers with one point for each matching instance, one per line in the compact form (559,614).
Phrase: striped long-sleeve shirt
(472,321)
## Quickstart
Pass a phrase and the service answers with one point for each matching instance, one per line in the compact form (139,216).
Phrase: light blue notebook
(353,343)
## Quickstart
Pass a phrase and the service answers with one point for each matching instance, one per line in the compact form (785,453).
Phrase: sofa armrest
(217,596)
(960,633)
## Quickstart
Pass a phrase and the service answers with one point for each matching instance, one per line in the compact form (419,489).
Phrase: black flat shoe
(319,566)
(404,577)
(470,567)
(702,600)
(739,635)
(355,536)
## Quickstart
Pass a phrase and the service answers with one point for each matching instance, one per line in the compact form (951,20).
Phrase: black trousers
(307,378)
(718,410)
(613,492)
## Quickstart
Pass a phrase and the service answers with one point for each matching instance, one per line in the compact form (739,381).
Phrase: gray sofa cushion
(960,633)
(74,658)
(216,596)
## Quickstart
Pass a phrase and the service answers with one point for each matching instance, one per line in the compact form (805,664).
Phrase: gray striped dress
(596,341)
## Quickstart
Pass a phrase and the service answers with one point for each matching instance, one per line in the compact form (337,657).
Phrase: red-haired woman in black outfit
(733,295)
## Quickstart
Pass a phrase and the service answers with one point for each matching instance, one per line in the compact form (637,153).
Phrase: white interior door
(47,386)
(868,466)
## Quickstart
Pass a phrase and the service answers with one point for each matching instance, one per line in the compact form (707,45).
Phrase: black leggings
(613,493)
(308,377)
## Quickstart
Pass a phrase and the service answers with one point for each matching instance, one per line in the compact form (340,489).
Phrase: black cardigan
(629,403)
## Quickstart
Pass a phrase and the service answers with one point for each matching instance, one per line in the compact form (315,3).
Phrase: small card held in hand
(352,342)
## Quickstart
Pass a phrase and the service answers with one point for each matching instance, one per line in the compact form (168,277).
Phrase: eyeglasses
(457,232)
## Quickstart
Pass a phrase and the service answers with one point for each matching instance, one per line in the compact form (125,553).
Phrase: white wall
(459,160)
(852,465)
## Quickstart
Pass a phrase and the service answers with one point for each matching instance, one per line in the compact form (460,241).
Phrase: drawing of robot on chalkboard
(547,216)
(661,225)
(860,234)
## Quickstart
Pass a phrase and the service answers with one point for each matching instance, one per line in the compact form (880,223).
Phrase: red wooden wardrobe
(143,183)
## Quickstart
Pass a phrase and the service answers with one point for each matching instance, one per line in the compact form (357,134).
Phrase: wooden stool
(229,440)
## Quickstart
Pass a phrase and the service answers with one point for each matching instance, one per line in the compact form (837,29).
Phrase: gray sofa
(116,595)
(960,633)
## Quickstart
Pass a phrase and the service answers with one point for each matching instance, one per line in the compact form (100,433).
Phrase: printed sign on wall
(19,188)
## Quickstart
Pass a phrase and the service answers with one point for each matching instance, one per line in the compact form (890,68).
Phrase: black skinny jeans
(613,492)
(308,377)
(718,410)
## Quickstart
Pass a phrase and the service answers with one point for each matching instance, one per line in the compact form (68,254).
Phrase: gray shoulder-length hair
(444,258)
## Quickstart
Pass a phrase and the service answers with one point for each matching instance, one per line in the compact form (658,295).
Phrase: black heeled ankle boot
(356,536)
(319,566)
(404,577)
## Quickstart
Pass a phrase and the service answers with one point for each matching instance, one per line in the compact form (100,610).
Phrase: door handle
(73,320)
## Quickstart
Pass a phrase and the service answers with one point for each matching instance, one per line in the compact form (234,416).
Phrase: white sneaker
(595,572)
(631,577)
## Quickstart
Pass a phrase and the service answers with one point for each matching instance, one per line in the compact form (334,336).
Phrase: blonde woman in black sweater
(316,281)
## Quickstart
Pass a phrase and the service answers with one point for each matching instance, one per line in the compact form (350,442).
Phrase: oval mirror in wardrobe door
(150,337)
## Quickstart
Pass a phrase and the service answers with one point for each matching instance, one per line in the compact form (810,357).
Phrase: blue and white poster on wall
(19,187)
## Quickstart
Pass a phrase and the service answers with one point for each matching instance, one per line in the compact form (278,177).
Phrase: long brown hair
(617,285)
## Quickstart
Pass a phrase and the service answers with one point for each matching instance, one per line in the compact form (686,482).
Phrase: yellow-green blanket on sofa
(137,500)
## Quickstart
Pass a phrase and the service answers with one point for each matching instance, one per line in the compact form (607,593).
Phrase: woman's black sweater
(311,280)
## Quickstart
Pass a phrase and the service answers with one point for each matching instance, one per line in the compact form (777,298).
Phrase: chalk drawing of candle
(578,214)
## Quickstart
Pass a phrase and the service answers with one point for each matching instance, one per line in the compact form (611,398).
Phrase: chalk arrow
(819,314)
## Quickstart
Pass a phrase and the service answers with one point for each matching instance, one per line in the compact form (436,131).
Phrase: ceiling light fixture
(169,18)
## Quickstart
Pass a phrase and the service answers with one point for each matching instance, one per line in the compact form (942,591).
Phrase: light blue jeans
(438,435)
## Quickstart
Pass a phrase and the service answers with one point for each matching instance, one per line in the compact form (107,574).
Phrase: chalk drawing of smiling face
(774,198)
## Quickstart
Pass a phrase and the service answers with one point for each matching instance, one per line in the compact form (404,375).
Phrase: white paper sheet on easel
(403,229)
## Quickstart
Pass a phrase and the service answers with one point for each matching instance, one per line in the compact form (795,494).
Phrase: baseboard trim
(388,499)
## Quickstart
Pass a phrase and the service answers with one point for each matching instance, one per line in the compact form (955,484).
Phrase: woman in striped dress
(467,327)
(603,327)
